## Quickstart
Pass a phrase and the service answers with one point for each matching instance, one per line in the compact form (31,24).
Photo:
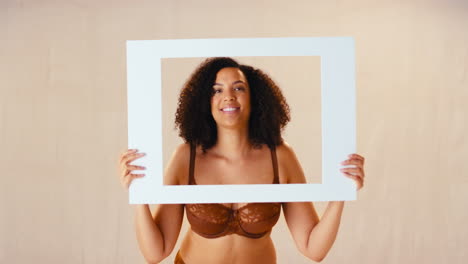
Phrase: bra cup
(259,218)
(215,220)
(208,220)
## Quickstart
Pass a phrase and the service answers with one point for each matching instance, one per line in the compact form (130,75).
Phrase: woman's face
(230,103)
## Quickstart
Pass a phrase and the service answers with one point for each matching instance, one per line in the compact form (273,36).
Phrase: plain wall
(63,122)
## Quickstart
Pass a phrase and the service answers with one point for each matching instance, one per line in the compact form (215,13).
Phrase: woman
(231,117)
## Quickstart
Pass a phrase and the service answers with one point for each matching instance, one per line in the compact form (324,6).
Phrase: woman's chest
(219,171)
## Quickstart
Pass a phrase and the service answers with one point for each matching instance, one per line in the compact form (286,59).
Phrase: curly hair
(269,109)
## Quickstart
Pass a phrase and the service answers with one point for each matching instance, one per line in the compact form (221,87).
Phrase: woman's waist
(227,249)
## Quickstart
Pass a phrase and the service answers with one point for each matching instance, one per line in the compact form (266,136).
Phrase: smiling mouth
(230,109)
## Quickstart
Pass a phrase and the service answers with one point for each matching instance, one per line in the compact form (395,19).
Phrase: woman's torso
(240,233)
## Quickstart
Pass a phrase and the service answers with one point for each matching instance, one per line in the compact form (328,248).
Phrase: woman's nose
(229,96)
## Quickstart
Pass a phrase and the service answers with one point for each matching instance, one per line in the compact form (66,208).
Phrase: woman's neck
(232,143)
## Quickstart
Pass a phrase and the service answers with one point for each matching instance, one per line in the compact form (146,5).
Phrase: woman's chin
(233,125)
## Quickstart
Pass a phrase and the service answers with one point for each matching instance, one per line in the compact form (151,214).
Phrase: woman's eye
(217,91)
(239,88)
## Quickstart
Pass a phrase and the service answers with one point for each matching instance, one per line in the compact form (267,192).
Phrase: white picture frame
(337,57)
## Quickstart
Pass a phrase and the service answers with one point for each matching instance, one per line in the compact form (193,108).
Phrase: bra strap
(192,164)
(274,160)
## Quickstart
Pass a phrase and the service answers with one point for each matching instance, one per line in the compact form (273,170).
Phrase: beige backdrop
(63,122)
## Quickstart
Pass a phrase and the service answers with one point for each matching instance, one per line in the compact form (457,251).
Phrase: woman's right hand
(126,169)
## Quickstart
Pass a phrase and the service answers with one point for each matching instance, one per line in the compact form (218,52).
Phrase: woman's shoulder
(178,165)
(285,151)
(182,150)
(289,166)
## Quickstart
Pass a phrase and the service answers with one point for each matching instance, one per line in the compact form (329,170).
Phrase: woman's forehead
(230,74)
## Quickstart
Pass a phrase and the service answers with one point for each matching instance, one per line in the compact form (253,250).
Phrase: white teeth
(230,109)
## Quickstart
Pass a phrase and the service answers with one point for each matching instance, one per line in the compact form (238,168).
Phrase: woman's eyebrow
(236,82)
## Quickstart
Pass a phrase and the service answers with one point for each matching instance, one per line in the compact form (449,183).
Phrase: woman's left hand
(357,171)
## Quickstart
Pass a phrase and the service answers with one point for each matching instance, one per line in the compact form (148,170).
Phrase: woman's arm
(157,235)
(314,237)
